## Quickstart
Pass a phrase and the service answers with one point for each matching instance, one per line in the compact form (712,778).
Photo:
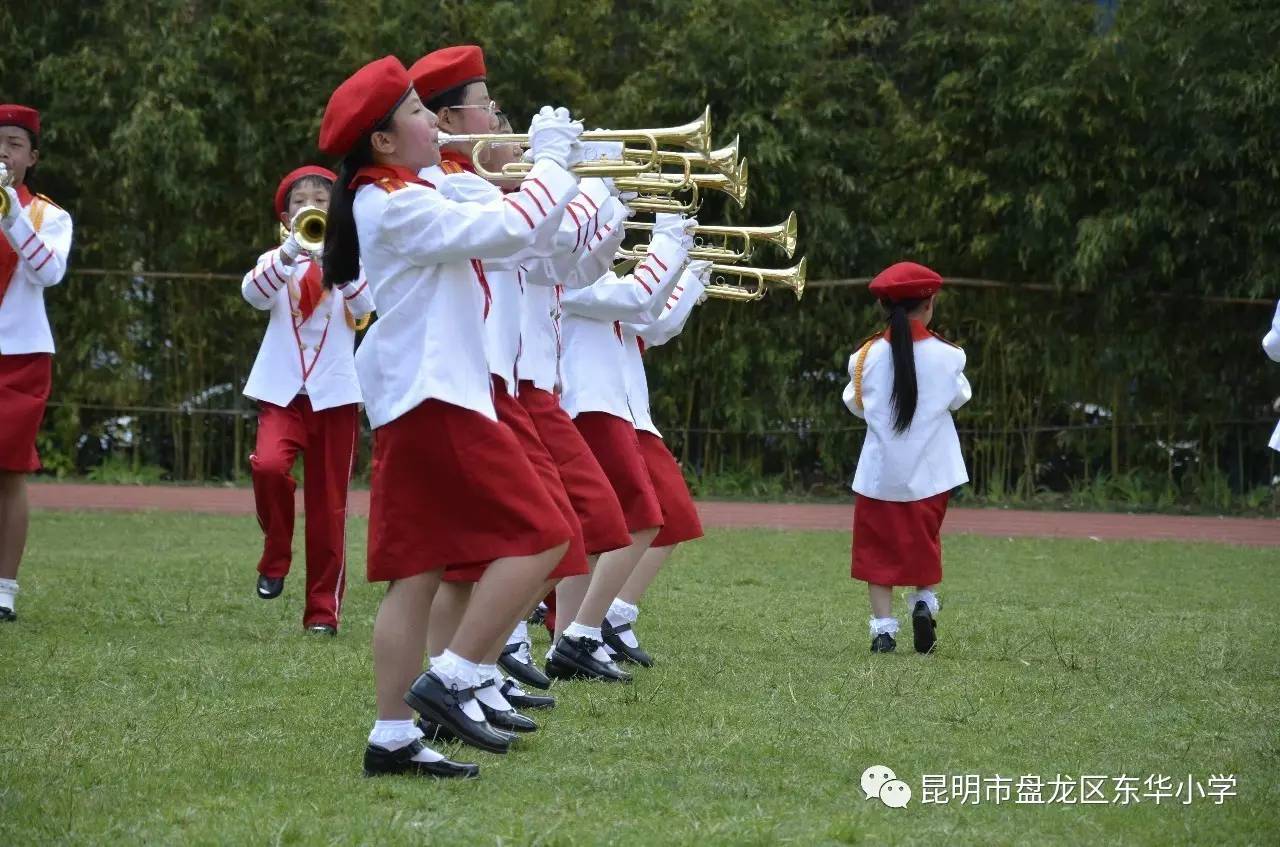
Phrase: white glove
(1275,321)
(552,135)
(700,268)
(592,150)
(676,227)
(291,249)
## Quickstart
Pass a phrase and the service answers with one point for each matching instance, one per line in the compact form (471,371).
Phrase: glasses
(491,107)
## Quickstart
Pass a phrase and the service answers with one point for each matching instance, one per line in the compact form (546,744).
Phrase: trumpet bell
(308,227)
(6,181)
(792,278)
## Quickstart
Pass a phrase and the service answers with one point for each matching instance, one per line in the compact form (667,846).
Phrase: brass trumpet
(792,278)
(652,186)
(308,227)
(695,136)
(723,160)
(783,235)
(6,181)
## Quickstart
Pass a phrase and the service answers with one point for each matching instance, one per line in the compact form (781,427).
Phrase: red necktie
(312,292)
(9,256)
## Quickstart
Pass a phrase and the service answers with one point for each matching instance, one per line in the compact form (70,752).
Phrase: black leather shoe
(572,659)
(436,733)
(613,638)
(924,628)
(7,614)
(322,629)
(539,614)
(269,587)
(521,700)
(883,643)
(526,673)
(441,704)
(510,720)
(379,761)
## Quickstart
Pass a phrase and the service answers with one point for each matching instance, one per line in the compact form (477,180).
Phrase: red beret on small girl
(905,281)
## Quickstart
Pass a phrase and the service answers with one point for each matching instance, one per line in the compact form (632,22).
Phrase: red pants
(327,440)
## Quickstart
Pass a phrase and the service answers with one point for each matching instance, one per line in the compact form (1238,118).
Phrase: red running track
(998,523)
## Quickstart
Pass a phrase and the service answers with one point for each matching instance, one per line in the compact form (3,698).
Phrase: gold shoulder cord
(857,370)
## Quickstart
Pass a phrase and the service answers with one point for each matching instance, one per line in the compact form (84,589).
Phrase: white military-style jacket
(925,460)
(593,365)
(417,245)
(39,231)
(315,357)
(512,279)
(636,338)
(1271,343)
(598,217)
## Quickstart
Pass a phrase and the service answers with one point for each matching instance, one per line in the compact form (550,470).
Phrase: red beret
(12,114)
(363,99)
(447,68)
(905,281)
(282,191)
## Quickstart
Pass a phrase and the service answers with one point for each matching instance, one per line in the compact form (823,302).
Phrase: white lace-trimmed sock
(883,625)
(457,672)
(519,635)
(577,630)
(8,590)
(490,695)
(622,612)
(392,735)
(930,599)
(514,687)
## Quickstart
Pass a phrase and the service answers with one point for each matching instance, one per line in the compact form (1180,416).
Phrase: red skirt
(899,543)
(680,521)
(511,413)
(25,380)
(451,487)
(614,443)
(604,527)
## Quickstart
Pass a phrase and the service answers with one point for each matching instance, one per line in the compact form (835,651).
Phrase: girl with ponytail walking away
(905,382)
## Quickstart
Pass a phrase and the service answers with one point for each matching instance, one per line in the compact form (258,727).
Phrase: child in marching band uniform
(904,383)
(451,486)
(33,256)
(1271,344)
(304,380)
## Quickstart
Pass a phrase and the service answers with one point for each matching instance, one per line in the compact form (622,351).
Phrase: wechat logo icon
(881,783)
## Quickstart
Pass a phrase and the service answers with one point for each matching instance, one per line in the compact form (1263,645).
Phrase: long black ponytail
(341,241)
(902,346)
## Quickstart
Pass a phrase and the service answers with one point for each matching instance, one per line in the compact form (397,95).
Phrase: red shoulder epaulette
(945,341)
(46,199)
(390,184)
(451,167)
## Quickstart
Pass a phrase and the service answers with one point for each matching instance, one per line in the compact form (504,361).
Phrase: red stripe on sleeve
(264,294)
(551,200)
(23,248)
(357,292)
(661,263)
(45,262)
(536,202)
(587,197)
(527,219)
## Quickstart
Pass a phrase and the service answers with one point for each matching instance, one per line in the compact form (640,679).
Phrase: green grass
(146,696)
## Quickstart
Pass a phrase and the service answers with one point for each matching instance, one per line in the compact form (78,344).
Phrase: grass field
(146,696)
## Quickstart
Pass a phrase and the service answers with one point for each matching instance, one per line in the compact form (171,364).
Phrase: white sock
(392,735)
(882,625)
(512,686)
(622,612)
(520,634)
(930,599)
(8,590)
(550,650)
(457,672)
(489,694)
(577,630)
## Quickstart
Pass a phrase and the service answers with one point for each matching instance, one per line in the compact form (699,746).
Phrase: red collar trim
(373,173)
(919,332)
(462,160)
(24,195)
